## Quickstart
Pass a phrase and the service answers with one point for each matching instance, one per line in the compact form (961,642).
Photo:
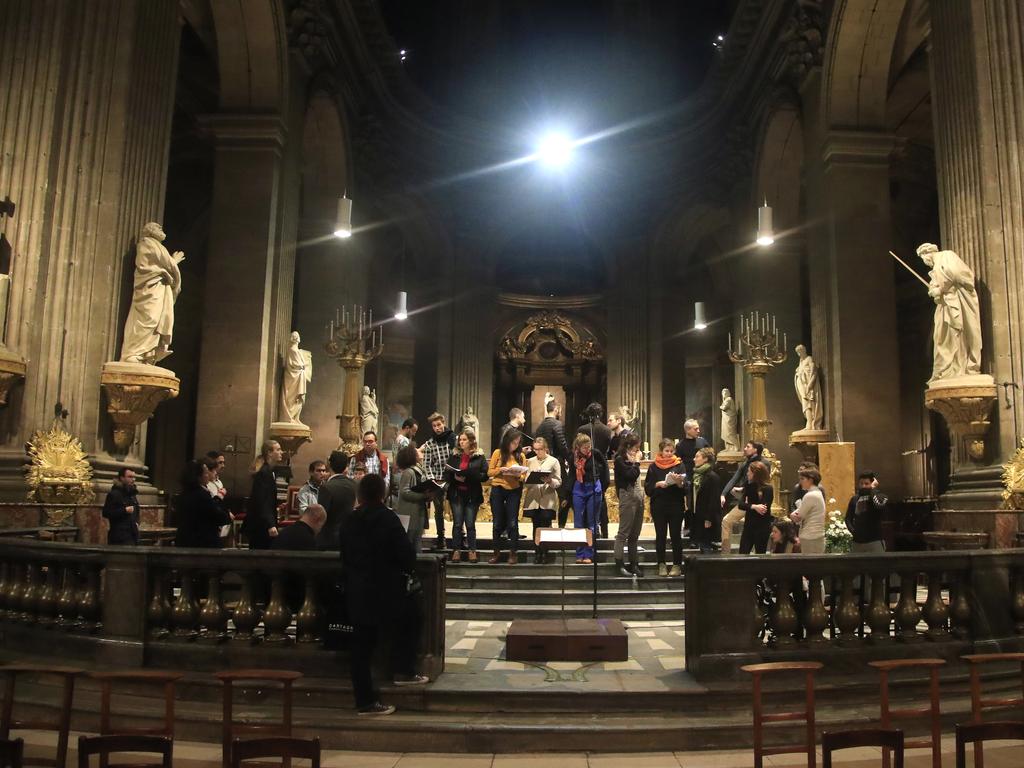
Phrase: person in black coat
(465,471)
(686,449)
(667,501)
(121,508)
(300,536)
(552,430)
(707,506)
(377,559)
(260,524)
(600,435)
(338,497)
(757,504)
(199,516)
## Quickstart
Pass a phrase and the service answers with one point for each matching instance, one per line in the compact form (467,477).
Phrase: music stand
(563,539)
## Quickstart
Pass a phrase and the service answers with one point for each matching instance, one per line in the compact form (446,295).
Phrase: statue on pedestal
(730,418)
(148,329)
(808,389)
(298,372)
(368,411)
(957,331)
(470,421)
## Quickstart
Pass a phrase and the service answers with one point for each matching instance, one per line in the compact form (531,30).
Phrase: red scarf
(581,462)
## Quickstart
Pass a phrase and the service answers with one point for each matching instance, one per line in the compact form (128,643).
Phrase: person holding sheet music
(506,471)
(631,504)
(412,503)
(465,471)
(666,485)
(540,499)
(588,477)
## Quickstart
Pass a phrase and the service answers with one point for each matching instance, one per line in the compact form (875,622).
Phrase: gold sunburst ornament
(59,471)
(1013,480)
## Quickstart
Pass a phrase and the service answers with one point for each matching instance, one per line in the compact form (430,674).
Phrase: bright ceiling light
(699,319)
(555,150)
(402,311)
(343,221)
(765,233)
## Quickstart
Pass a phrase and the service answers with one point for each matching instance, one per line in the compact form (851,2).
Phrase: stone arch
(325,160)
(252,55)
(858,57)
(778,167)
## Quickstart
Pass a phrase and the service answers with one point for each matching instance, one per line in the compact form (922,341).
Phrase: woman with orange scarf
(664,484)
(588,477)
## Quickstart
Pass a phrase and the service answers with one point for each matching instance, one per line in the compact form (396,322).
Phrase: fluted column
(85,119)
(976,56)
(628,354)
(242,337)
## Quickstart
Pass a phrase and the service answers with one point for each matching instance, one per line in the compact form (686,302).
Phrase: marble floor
(198,755)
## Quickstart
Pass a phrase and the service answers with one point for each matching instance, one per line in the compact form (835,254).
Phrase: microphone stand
(598,501)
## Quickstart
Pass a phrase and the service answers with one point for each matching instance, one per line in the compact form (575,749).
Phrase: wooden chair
(230,729)
(12,752)
(63,724)
(931,711)
(286,749)
(888,739)
(976,733)
(978,703)
(144,677)
(105,746)
(758,670)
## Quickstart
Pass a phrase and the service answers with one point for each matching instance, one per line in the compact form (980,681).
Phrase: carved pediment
(549,337)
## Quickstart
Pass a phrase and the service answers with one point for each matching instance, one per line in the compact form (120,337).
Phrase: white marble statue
(957,331)
(469,420)
(298,372)
(368,411)
(730,417)
(808,389)
(147,332)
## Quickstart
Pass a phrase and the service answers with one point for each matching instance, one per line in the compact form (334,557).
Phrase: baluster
(245,617)
(47,602)
(307,620)
(213,618)
(89,599)
(12,596)
(936,612)
(1017,603)
(908,612)
(5,571)
(847,619)
(960,608)
(277,615)
(158,613)
(185,612)
(67,602)
(879,614)
(784,619)
(815,615)
(28,595)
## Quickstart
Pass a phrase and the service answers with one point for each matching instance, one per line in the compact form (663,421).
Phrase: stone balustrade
(845,610)
(186,608)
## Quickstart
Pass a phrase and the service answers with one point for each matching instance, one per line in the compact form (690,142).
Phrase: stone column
(242,338)
(85,119)
(851,268)
(976,56)
(628,355)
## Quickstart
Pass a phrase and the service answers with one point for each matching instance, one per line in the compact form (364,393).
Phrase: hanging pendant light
(402,312)
(765,235)
(343,222)
(699,320)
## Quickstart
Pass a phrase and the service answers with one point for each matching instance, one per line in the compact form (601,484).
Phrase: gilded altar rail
(846,610)
(191,608)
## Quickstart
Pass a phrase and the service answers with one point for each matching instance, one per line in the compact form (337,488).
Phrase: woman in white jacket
(810,514)
(540,501)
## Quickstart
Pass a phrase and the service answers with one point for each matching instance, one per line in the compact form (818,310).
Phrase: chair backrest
(832,741)
(978,732)
(111,745)
(11,752)
(284,748)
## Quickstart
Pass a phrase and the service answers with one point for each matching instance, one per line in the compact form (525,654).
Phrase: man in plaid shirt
(436,451)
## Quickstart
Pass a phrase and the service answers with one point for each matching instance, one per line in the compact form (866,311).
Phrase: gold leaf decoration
(1013,480)
(59,470)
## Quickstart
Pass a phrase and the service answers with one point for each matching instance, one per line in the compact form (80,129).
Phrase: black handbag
(339,629)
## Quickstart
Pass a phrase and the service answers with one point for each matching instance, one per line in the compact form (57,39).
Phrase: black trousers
(404,633)
(668,522)
(438,504)
(603,521)
(755,535)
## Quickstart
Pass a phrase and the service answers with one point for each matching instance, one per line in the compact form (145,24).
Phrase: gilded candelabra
(759,350)
(353,342)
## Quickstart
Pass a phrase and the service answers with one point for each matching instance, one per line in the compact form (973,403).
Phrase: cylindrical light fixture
(343,223)
(765,235)
(699,320)
(401,313)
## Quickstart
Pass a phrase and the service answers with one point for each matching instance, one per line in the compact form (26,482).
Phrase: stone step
(494,611)
(520,579)
(523,595)
(526,567)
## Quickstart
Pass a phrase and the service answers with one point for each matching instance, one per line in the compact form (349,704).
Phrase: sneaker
(662,569)
(411,680)
(377,709)
(677,570)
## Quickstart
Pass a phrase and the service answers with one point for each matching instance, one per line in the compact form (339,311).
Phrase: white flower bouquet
(837,536)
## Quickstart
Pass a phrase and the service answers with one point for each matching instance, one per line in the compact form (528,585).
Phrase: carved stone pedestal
(806,441)
(732,458)
(12,370)
(965,403)
(290,435)
(133,392)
